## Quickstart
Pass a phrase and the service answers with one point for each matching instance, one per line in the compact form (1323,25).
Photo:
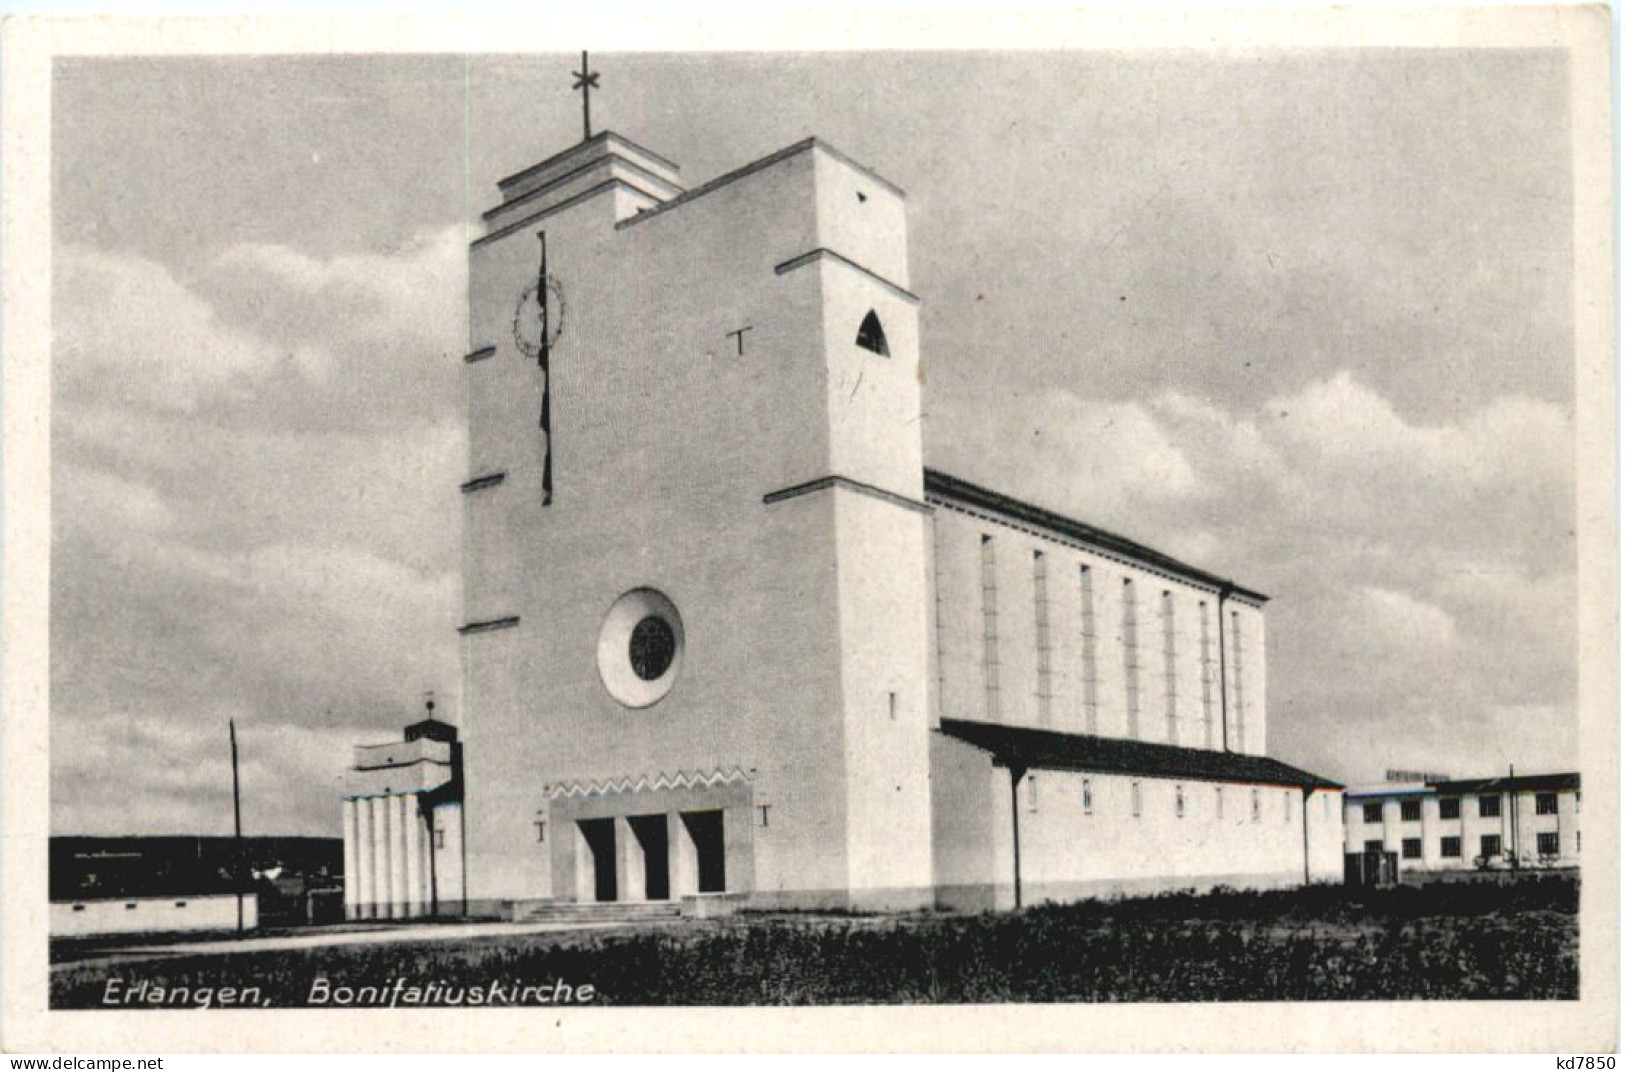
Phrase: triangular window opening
(871,336)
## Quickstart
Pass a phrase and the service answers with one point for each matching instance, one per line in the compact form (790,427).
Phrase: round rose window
(653,645)
(640,647)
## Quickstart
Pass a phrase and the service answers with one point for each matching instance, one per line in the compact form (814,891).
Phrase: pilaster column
(628,863)
(397,857)
(428,866)
(685,857)
(586,880)
(352,876)
(380,857)
(414,854)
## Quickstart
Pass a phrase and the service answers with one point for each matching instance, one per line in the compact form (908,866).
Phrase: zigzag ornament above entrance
(642,782)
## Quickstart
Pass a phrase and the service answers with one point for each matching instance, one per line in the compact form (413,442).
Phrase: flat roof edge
(856,166)
(600,137)
(725,179)
(761,164)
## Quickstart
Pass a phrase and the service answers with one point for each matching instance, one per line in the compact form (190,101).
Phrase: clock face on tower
(528,318)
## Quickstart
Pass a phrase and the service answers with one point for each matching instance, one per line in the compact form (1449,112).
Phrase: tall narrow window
(1218,802)
(1032,792)
(1255,804)
(946,655)
(1237,676)
(1134,798)
(990,628)
(1088,798)
(1207,675)
(1170,666)
(1041,633)
(1091,696)
(1179,801)
(871,336)
(1131,657)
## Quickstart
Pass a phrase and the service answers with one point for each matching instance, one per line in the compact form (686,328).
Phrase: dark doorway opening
(705,830)
(599,834)
(650,830)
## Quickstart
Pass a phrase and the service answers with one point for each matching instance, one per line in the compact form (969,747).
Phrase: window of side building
(1450,807)
(1450,848)
(1489,806)
(1489,846)
(1545,803)
(1374,845)
(1373,813)
(1546,844)
(1410,811)
(1411,848)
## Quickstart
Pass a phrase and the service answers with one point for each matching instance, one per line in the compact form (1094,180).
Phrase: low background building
(120,885)
(1524,821)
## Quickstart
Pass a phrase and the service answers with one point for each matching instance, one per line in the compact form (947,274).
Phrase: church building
(727,638)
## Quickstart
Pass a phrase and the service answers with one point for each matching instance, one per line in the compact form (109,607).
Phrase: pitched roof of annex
(1020,746)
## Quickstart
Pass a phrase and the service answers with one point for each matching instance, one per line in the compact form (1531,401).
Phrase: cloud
(1064,449)
(1423,570)
(347,309)
(111,500)
(127,327)
(1419,629)
(255,516)
(1349,427)
(267,336)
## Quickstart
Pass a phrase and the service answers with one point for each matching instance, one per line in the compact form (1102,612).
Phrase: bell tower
(695,587)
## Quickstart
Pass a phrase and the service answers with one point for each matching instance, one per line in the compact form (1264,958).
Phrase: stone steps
(601,912)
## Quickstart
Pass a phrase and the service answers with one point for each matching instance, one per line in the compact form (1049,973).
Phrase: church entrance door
(704,831)
(598,856)
(650,831)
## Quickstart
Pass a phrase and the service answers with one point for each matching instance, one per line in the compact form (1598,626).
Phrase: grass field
(1456,941)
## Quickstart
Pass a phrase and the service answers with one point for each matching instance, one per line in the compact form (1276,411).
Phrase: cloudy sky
(1302,318)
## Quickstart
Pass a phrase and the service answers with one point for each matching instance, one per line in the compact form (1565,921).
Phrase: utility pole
(236,826)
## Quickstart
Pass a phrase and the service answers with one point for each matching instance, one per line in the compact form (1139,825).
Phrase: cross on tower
(586,81)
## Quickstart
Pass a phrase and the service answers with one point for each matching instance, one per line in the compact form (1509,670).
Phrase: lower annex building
(1465,824)
(727,636)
